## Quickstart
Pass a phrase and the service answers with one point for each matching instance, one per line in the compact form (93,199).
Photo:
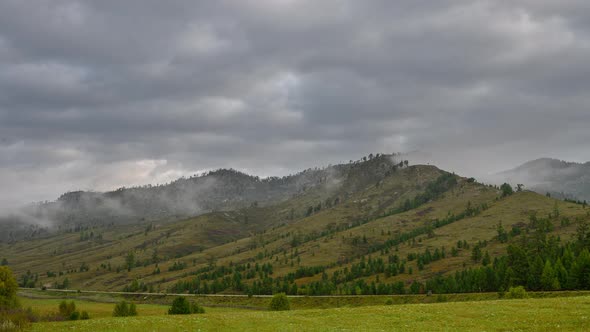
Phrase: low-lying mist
(220,190)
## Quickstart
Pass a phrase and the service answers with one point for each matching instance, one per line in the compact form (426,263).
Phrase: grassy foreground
(569,313)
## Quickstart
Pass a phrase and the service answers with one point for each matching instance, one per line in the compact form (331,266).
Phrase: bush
(122,309)
(197,309)
(84,315)
(181,306)
(8,288)
(75,315)
(67,309)
(280,302)
(517,292)
(132,309)
(389,302)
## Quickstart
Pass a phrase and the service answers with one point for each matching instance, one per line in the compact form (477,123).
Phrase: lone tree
(279,302)
(8,288)
(502,234)
(180,306)
(506,190)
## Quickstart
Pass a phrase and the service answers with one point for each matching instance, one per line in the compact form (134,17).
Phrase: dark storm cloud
(100,94)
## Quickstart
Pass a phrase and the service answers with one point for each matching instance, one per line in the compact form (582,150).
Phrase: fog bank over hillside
(559,178)
(219,190)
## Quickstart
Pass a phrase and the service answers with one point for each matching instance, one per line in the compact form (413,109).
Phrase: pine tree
(476,253)
(486,259)
(560,273)
(535,272)
(549,279)
(579,276)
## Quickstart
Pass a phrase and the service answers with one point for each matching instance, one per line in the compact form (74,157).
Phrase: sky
(95,95)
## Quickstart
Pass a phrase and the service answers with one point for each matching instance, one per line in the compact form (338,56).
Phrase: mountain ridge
(218,190)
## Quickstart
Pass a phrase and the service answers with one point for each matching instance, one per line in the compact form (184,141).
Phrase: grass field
(95,309)
(548,314)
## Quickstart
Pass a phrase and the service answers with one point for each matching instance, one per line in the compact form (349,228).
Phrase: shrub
(279,302)
(8,288)
(132,310)
(75,315)
(84,315)
(67,309)
(389,302)
(122,309)
(181,306)
(517,292)
(197,309)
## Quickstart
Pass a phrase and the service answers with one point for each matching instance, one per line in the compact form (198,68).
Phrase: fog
(558,178)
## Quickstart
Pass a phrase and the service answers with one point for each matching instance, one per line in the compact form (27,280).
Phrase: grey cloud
(100,94)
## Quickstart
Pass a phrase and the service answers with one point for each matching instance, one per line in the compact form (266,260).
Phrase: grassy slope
(521,315)
(66,252)
(229,237)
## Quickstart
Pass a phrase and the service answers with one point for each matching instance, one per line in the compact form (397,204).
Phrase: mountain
(220,190)
(559,178)
(368,227)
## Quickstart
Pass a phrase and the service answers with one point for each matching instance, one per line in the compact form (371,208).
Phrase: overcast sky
(108,93)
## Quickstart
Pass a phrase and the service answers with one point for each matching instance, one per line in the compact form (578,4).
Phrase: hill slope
(379,230)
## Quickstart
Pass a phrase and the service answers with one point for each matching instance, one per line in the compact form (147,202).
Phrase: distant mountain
(220,190)
(560,178)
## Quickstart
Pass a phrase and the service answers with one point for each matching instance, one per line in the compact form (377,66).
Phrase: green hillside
(375,227)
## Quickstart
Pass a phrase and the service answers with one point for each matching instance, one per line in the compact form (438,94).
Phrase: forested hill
(220,190)
(379,230)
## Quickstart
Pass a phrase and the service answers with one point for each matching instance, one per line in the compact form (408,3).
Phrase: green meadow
(532,314)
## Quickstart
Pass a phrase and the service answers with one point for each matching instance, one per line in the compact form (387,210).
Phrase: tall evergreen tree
(549,280)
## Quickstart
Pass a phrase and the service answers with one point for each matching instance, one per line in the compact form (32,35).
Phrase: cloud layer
(102,94)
